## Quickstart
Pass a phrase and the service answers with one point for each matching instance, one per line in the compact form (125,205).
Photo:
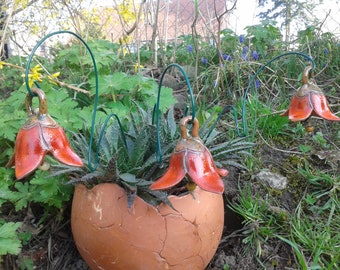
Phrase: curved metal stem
(156,110)
(96,82)
(244,126)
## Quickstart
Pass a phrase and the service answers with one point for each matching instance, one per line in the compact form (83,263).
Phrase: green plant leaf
(49,190)
(9,241)
(129,178)
(171,122)
(13,114)
(27,264)
(6,194)
(22,196)
(297,251)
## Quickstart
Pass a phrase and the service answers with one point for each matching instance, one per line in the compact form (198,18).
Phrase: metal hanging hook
(33,92)
(156,109)
(244,125)
(42,102)
(30,57)
(194,129)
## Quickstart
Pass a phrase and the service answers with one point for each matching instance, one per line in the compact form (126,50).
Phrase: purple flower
(257,84)
(227,57)
(204,61)
(190,48)
(255,55)
(326,51)
(245,50)
(241,38)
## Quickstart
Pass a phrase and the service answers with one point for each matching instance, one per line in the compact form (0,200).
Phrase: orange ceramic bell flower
(309,100)
(192,157)
(40,135)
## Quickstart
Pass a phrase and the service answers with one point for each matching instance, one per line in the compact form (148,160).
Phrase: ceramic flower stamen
(40,135)
(192,157)
(308,101)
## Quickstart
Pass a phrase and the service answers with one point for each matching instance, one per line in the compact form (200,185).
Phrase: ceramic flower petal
(174,174)
(321,108)
(202,171)
(40,135)
(309,100)
(222,172)
(193,158)
(28,152)
(300,108)
(59,146)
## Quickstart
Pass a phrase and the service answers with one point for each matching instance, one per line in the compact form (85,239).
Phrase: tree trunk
(4,49)
(154,33)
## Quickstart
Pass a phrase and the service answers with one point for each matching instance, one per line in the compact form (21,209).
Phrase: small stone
(274,180)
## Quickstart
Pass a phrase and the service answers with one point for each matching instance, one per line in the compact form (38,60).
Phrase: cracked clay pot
(109,235)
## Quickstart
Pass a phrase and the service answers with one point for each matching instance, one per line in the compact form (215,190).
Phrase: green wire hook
(244,125)
(156,109)
(92,168)
(42,41)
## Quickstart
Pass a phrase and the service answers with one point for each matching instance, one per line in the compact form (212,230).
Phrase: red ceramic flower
(40,135)
(309,100)
(192,157)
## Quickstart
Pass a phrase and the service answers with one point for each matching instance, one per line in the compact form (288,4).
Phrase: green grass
(311,229)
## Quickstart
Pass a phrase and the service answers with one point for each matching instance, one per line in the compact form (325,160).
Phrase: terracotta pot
(109,235)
